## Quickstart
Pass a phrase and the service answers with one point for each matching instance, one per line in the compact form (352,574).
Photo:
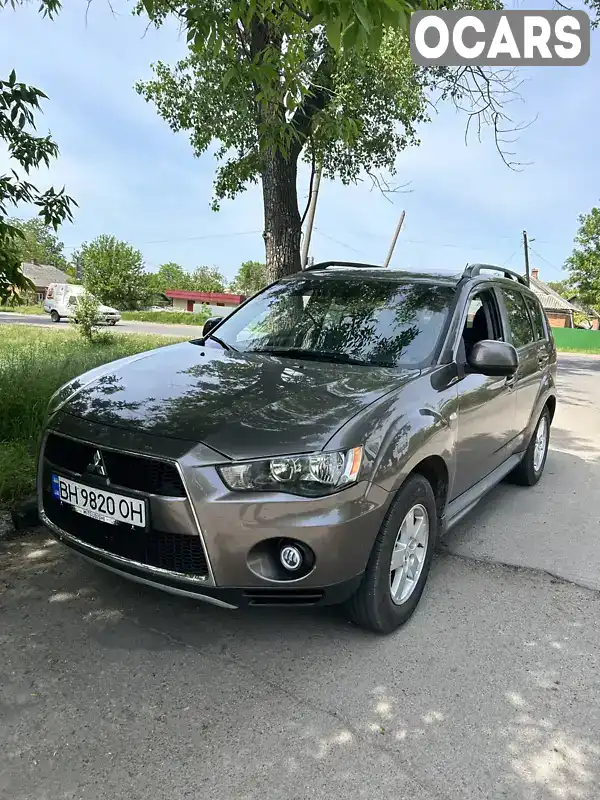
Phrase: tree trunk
(282,219)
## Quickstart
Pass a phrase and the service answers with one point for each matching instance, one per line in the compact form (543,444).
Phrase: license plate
(99,504)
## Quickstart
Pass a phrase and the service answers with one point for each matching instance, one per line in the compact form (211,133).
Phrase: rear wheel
(400,560)
(533,462)
(54,315)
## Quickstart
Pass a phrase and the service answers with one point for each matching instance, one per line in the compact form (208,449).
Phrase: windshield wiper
(221,342)
(315,355)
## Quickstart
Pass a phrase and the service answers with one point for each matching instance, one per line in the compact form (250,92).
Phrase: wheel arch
(434,469)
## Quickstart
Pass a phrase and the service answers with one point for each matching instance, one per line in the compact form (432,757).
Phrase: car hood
(107,309)
(243,405)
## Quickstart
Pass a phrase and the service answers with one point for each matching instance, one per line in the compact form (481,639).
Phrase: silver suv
(310,448)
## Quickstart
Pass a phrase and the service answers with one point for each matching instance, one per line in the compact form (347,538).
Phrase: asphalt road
(44,321)
(110,690)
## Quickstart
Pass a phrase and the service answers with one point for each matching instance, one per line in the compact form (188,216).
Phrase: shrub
(88,315)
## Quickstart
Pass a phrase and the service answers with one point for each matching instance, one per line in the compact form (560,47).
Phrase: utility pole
(395,239)
(526,251)
(310,218)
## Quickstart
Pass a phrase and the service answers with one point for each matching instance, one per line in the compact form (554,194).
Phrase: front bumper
(230,528)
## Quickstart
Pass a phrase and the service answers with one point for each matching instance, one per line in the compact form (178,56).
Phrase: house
(559,311)
(221,303)
(42,275)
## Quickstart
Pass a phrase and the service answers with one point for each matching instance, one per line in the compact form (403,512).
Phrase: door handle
(510,381)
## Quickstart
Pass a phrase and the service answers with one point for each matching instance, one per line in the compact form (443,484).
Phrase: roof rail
(325,264)
(471,270)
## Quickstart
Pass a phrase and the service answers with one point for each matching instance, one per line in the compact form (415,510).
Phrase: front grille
(131,472)
(171,551)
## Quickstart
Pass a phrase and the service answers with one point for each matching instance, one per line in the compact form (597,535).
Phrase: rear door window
(536,316)
(518,318)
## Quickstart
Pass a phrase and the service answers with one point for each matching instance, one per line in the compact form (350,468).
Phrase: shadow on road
(490,691)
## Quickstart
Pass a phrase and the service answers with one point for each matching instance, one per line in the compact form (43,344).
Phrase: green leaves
(113,272)
(18,102)
(584,263)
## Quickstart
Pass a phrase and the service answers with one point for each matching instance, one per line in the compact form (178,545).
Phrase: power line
(508,260)
(539,255)
(341,244)
(185,239)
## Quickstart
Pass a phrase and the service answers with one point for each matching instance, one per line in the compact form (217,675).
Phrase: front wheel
(533,462)
(400,560)
(54,315)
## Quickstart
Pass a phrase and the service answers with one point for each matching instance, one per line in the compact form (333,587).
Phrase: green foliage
(113,271)
(173,276)
(169,276)
(18,104)
(168,317)
(353,112)
(346,23)
(207,279)
(40,244)
(34,363)
(563,288)
(250,279)
(584,262)
(88,315)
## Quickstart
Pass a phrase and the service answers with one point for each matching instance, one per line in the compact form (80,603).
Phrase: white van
(61,303)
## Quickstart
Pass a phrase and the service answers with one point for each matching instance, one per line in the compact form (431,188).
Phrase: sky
(133,178)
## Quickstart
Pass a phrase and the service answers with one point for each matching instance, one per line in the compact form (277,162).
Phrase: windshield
(377,322)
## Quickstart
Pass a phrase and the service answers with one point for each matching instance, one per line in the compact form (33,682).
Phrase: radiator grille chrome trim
(208,580)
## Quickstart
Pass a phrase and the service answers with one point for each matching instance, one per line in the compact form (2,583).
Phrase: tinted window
(374,321)
(536,315)
(518,318)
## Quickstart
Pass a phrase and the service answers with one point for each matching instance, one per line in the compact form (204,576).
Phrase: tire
(54,315)
(113,322)
(532,464)
(372,606)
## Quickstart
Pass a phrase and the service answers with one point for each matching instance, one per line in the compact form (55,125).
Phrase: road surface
(8,318)
(110,691)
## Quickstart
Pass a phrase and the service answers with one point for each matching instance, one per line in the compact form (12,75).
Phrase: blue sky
(133,178)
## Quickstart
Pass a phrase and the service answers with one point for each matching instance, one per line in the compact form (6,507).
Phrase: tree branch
(313,171)
(317,97)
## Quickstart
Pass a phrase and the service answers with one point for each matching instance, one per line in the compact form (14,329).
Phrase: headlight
(311,475)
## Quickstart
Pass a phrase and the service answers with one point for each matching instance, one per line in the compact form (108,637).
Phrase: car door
(532,356)
(486,405)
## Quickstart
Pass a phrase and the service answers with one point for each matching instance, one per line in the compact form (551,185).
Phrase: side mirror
(210,324)
(492,358)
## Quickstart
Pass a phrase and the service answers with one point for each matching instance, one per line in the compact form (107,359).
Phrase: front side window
(518,318)
(370,321)
(536,316)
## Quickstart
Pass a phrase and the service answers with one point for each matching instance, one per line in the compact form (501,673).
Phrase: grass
(37,309)
(166,317)
(34,362)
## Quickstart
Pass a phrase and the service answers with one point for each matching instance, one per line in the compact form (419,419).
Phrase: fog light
(291,557)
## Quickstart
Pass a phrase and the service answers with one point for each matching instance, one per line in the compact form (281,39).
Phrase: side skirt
(460,506)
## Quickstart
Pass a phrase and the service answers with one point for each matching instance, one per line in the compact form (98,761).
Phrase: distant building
(558,310)
(221,303)
(42,275)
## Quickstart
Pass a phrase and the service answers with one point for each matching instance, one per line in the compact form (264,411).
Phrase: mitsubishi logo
(96,465)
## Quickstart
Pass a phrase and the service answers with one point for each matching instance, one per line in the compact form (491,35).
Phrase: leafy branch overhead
(18,104)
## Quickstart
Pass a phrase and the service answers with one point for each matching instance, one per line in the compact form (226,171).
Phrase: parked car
(61,303)
(311,447)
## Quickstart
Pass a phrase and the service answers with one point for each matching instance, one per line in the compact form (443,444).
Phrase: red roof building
(184,300)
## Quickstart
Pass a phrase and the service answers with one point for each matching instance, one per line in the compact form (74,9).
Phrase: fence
(576,339)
